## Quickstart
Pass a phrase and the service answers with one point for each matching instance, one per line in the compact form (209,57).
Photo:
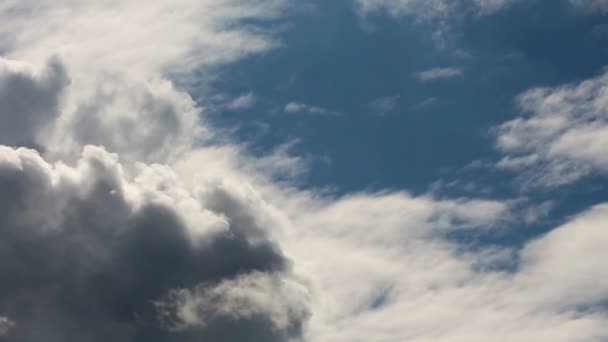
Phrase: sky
(319,171)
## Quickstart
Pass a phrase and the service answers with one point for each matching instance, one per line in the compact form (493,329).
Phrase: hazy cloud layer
(406,281)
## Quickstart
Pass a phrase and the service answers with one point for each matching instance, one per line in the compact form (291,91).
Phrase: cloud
(30,100)
(442,14)
(385,104)
(120,95)
(242,102)
(438,74)
(142,121)
(406,280)
(445,16)
(296,107)
(5,325)
(427,102)
(246,297)
(563,137)
(591,5)
(423,9)
(164,231)
(188,32)
(86,253)
(444,9)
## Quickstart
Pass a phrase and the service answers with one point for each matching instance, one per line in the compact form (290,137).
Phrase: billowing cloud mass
(88,254)
(118,55)
(564,135)
(30,100)
(124,217)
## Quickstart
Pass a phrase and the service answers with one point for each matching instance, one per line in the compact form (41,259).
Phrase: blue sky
(431,132)
(332,58)
(320,171)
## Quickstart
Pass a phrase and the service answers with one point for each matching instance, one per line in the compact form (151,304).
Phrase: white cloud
(242,102)
(383,272)
(563,138)
(284,301)
(117,56)
(150,38)
(296,107)
(438,74)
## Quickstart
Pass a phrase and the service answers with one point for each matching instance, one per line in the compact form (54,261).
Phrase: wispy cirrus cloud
(385,104)
(438,73)
(242,102)
(298,107)
(427,102)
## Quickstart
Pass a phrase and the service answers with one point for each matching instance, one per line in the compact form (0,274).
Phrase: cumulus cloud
(119,94)
(434,74)
(86,252)
(257,294)
(93,244)
(30,100)
(563,137)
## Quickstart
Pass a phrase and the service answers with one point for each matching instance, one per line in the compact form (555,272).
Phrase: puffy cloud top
(88,254)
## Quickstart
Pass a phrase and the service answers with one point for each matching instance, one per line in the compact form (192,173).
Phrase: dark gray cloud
(30,100)
(82,262)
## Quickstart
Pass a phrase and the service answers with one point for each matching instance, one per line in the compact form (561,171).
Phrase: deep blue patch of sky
(331,59)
